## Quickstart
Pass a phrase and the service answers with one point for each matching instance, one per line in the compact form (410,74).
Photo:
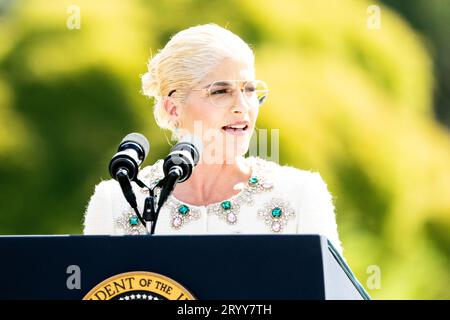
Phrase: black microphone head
(191,144)
(131,153)
(179,164)
(184,155)
(138,138)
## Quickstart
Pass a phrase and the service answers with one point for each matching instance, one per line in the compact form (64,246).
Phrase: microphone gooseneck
(124,166)
(178,167)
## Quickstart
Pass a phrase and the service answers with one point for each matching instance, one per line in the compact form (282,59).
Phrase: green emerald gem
(134,220)
(276,212)
(226,205)
(183,209)
(253,180)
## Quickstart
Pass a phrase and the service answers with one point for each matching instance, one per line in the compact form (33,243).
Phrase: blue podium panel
(207,266)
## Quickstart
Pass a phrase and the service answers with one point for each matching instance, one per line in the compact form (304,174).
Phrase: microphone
(133,150)
(124,165)
(178,167)
(183,157)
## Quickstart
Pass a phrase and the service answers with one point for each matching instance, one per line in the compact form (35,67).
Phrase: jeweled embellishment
(183,209)
(134,220)
(231,215)
(253,180)
(177,222)
(181,214)
(228,210)
(155,174)
(276,226)
(257,184)
(276,213)
(231,218)
(130,223)
(226,205)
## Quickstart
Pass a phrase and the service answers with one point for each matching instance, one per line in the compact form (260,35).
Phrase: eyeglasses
(222,93)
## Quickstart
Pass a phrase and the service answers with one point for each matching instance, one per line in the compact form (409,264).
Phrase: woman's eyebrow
(220,83)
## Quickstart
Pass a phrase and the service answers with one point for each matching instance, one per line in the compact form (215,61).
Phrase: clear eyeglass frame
(222,93)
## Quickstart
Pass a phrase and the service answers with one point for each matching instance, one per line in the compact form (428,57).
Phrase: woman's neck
(211,183)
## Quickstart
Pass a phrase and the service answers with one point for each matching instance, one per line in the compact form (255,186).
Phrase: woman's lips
(235,131)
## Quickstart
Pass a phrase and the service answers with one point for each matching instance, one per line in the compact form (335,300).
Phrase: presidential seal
(139,285)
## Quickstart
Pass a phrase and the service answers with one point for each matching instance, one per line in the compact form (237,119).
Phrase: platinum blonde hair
(185,60)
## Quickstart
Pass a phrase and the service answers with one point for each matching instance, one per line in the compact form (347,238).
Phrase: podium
(204,267)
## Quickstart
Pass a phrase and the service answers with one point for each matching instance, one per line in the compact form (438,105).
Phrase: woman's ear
(170,107)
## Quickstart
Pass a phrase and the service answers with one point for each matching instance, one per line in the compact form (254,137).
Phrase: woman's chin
(224,154)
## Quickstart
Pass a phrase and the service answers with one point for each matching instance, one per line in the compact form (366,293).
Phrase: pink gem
(267,185)
(276,226)
(177,222)
(231,217)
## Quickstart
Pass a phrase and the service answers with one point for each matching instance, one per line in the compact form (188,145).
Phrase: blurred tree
(430,18)
(351,102)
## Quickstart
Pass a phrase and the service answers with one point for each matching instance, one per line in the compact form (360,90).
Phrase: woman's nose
(240,104)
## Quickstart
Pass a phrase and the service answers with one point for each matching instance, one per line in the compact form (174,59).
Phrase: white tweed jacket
(276,199)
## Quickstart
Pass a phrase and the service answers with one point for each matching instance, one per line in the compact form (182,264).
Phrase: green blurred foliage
(351,102)
(430,19)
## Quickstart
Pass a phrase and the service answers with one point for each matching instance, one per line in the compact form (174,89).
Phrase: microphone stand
(166,186)
(149,214)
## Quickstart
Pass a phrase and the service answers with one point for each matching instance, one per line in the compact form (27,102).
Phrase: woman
(203,82)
